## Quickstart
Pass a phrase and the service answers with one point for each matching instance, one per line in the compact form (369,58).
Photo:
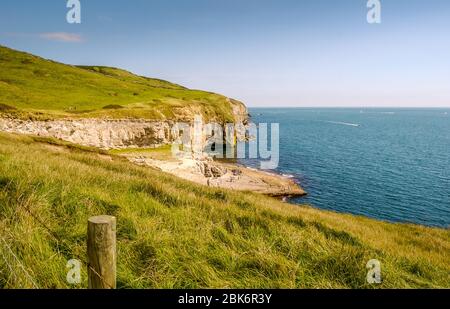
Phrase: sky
(263,52)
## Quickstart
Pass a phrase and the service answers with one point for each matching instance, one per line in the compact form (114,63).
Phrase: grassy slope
(46,88)
(172,233)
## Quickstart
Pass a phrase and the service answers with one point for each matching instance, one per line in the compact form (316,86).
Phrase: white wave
(288,175)
(344,123)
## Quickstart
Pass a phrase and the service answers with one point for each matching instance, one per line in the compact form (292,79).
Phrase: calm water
(390,164)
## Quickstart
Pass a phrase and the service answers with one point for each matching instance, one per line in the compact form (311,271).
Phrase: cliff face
(107,133)
(107,107)
(240,111)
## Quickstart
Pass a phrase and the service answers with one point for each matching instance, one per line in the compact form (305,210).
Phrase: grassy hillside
(172,233)
(30,85)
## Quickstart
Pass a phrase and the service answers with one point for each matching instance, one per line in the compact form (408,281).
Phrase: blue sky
(265,53)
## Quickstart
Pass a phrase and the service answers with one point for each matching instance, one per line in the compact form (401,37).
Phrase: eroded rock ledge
(100,133)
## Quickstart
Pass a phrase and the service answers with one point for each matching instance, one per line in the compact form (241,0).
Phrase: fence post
(101,248)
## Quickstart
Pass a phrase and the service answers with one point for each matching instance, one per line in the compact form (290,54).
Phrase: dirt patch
(113,106)
(55,148)
(4,107)
(104,157)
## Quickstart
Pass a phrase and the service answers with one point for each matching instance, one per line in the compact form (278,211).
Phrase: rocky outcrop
(223,175)
(240,111)
(211,170)
(106,134)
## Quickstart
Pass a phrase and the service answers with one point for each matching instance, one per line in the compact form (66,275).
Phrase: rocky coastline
(132,134)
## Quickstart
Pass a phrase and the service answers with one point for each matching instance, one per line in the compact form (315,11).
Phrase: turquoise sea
(389,164)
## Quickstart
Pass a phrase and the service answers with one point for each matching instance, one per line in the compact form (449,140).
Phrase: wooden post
(101,247)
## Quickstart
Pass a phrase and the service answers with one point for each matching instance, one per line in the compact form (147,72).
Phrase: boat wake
(344,123)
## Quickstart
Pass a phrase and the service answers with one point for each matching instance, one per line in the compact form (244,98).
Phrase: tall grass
(175,234)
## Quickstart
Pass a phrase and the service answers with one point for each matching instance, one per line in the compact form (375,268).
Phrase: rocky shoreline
(223,175)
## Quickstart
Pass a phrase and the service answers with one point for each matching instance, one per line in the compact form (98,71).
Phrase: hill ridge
(34,86)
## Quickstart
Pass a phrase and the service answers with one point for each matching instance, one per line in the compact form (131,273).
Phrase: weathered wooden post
(101,247)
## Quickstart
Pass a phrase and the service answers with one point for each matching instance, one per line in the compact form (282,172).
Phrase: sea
(388,164)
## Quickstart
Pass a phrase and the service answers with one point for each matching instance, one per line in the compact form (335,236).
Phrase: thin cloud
(62,37)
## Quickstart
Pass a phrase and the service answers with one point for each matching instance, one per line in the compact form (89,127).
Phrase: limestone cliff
(100,133)
(240,111)
(107,133)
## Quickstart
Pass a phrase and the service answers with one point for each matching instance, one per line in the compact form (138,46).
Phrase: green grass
(175,234)
(31,86)
(163,153)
